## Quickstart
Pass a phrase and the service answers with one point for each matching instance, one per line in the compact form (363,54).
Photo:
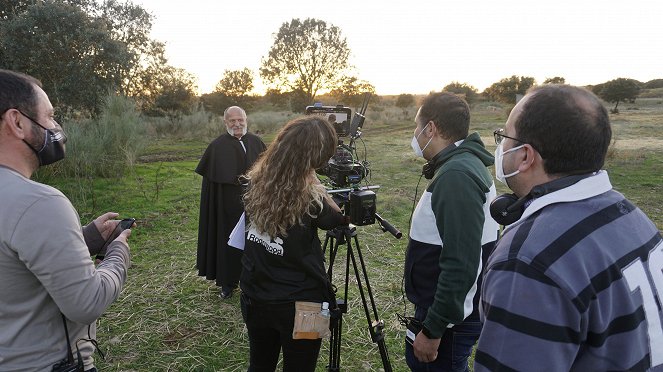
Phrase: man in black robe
(229,156)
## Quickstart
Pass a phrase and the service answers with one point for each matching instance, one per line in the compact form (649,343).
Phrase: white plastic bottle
(325,310)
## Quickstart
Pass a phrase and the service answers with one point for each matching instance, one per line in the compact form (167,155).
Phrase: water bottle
(325,310)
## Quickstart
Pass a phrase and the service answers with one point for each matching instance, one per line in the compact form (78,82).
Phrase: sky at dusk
(420,46)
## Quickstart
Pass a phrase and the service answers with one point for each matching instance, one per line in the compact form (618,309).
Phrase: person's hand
(106,224)
(425,349)
(120,238)
(123,236)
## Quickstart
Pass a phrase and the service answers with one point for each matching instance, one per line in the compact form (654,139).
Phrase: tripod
(336,237)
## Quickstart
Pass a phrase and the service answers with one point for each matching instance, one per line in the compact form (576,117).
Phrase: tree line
(84,50)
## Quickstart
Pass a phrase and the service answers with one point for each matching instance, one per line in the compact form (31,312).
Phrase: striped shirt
(575,284)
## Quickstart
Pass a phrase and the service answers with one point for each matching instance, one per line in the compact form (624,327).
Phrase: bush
(269,121)
(104,146)
(199,124)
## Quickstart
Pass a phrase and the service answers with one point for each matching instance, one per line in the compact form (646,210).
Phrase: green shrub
(199,124)
(104,146)
(269,121)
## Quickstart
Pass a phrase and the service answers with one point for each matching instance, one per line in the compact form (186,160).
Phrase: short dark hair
(568,126)
(17,91)
(450,113)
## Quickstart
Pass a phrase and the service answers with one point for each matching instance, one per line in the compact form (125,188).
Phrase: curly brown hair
(283,187)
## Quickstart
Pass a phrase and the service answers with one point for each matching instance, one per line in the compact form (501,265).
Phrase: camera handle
(336,237)
(386,226)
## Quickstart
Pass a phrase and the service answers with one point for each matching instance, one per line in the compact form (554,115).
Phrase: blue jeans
(455,347)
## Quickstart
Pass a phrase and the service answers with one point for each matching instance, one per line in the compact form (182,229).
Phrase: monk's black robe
(221,205)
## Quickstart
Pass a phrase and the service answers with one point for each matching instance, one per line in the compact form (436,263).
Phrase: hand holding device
(119,233)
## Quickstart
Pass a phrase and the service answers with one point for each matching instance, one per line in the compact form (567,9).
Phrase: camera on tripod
(342,169)
(344,172)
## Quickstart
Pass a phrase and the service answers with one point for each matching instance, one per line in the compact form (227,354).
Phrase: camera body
(358,204)
(342,169)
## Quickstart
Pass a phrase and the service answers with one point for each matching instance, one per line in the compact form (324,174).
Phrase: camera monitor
(338,115)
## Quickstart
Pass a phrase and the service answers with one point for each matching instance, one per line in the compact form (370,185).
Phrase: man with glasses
(450,230)
(575,282)
(48,283)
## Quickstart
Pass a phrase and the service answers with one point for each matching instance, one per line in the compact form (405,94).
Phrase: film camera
(345,172)
(342,169)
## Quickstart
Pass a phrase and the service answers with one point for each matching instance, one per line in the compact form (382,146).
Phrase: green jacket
(449,227)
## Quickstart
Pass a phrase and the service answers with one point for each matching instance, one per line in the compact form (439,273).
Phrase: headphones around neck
(431,166)
(429,169)
(508,208)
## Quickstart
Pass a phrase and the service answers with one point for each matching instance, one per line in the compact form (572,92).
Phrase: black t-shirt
(288,269)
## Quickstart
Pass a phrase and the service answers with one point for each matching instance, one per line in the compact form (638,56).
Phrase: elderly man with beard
(227,158)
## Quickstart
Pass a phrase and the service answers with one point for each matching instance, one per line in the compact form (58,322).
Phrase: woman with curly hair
(283,261)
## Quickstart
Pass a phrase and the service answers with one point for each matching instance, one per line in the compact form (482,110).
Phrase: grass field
(169,319)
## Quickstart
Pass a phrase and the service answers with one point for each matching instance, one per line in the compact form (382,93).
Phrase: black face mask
(53,148)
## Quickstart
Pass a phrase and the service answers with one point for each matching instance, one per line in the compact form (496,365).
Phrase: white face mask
(499,170)
(415,144)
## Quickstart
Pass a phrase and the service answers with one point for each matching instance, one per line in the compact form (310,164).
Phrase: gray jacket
(45,270)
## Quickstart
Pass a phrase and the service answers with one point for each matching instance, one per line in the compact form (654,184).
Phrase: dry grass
(169,319)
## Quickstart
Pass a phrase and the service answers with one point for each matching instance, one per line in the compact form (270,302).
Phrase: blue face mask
(53,148)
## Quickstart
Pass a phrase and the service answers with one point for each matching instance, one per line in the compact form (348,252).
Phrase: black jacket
(279,270)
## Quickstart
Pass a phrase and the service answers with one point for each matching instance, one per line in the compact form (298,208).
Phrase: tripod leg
(337,313)
(344,237)
(375,326)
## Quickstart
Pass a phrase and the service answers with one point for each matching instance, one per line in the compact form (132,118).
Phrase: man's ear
(530,158)
(12,123)
(433,128)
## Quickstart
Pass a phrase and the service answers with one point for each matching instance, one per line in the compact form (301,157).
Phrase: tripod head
(359,204)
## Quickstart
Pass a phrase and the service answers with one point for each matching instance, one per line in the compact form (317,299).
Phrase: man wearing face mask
(49,286)
(451,230)
(576,280)
(229,156)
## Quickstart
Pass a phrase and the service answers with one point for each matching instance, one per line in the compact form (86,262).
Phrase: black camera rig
(344,169)
(345,174)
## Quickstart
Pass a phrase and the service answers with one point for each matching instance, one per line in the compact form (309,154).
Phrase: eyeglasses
(499,136)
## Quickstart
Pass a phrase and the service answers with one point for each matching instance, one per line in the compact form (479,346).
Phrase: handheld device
(126,223)
(123,225)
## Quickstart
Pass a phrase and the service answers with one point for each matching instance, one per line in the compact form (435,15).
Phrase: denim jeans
(270,330)
(455,347)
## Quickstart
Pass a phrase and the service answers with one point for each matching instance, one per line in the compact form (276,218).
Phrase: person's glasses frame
(500,136)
